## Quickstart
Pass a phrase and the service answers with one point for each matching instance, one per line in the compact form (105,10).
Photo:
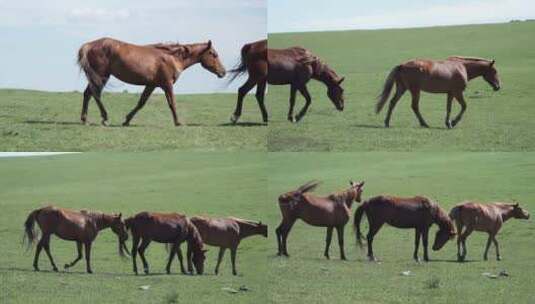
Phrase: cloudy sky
(320,15)
(40,38)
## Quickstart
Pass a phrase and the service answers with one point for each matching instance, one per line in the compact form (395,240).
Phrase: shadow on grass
(95,273)
(243,124)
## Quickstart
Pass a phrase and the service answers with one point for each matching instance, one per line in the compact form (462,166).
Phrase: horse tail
(387,87)
(94,79)
(29,231)
(356,221)
(241,67)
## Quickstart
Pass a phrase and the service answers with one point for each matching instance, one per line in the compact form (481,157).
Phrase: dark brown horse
(227,233)
(487,218)
(448,76)
(412,212)
(154,65)
(292,66)
(70,225)
(331,211)
(167,228)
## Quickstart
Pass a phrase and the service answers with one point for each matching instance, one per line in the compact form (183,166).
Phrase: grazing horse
(227,233)
(168,228)
(448,76)
(153,65)
(332,211)
(412,212)
(294,66)
(487,218)
(70,225)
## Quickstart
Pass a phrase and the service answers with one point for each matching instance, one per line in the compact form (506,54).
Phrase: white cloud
(98,15)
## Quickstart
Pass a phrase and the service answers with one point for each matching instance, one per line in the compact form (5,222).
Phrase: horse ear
(492,62)
(209,44)
(120,214)
(341,80)
(361,184)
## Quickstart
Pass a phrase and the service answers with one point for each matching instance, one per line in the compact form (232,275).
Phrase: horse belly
(280,74)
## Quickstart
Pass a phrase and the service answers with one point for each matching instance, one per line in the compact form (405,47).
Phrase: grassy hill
(42,121)
(494,121)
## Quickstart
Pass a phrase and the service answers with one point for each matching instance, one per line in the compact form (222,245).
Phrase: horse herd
(332,211)
(160,65)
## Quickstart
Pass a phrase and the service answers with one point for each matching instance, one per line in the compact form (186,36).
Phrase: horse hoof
(498,258)
(104,123)
(291,119)
(66,266)
(449,125)
(85,122)
(234,119)
(327,257)
(90,271)
(35,268)
(126,124)
(55,269)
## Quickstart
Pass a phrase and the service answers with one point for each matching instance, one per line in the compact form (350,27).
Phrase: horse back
(434,76)
(481,217)
(401,212)
(221,232)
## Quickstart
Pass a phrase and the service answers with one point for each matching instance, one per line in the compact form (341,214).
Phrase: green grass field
(217,184)
(494,121)
(41,121)
(247,185)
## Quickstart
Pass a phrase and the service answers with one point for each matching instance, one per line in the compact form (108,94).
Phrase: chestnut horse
(168,228)
(153,65)
(487,218)
(332,211)
(294,66)
(448,76)
(227,233)
(70,225)
(412,212)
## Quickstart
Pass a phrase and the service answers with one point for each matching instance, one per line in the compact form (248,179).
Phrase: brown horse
(487,218)
(294,66)
(153,65)
(227,233)
(413,212)
(70,225)
(448,76)
(332,211)
(168,228)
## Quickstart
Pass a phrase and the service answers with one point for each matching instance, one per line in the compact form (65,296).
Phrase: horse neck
(442,219)
(102,220)
(248,229)
(323,73)
(474,68)
(194,237)
(347,197)
(506,212)
(194,56)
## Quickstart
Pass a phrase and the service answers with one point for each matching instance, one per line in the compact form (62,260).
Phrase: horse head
(520,213)
(357,188)
(491,76)
(119,228)
(446,229)
(336,92)
(210,61)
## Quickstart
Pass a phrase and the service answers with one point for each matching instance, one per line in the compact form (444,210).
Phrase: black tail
(387,87)
(241,67)
(30,235)
(356,221)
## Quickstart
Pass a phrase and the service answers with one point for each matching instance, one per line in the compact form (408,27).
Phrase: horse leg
(308,100)
(189,257)
(464,236)
(219,258)
(400,90)
(168,89)
(260,92)
(46,246)
(233,259)
(498,257)
(88,257)
(242,91)
(374,228)
(144,244)
(171,257)
(328,241)
(96,94)
(140,104)
(416,244)
(135,245)
(36,258)
(79,257)
(180,259)
(278,232)
(340,231)
(425,237)
(459,232)
(85,104)
(489,240)
(416,107)
(293,90)
(460,98)
(448,110)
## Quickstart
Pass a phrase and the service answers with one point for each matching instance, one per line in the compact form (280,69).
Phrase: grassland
(247,185)
(494,121)
(217,184)
(44,121)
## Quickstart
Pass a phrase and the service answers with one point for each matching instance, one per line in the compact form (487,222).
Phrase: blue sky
(40,39)
(321,15)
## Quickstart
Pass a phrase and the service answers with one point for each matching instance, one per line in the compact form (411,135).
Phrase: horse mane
(172,48)
(308,187)
(195,235)
(442,218)
(470,59)
(340,195)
